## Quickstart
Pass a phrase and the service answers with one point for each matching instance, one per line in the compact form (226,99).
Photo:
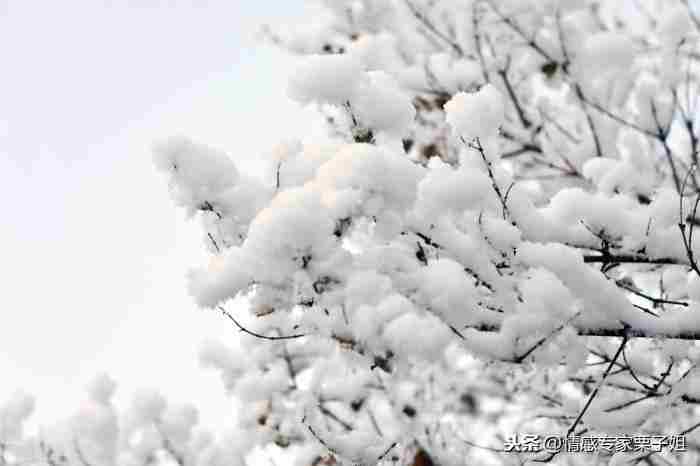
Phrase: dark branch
(610,332)
(257,335)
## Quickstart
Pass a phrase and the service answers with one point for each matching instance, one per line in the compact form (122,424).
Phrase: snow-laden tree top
(496,235)
(148,430)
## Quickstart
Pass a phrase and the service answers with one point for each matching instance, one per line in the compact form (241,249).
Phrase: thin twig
(257,335)
(594,393)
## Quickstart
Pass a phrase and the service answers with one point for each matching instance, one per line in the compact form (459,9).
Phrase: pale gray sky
(93,253)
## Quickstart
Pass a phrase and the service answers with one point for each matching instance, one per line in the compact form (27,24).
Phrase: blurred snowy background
(93,252)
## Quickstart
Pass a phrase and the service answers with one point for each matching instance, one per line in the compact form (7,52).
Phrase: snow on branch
(502,206)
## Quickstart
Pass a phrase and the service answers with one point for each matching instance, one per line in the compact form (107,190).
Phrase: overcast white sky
(92,252)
